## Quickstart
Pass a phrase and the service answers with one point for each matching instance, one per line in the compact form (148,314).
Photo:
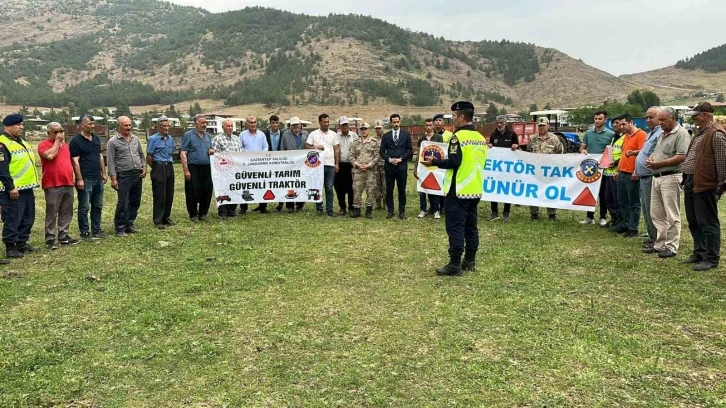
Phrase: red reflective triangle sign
(430,183)
(585,199)
(269,195)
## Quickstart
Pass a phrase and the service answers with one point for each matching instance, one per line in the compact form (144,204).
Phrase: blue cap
(13,119)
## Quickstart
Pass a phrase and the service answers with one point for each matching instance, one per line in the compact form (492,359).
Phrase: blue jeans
(328,179)
(433,200)
(92,193)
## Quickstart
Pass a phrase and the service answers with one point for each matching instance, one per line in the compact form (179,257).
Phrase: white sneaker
(587,221)
(603,222)
(422,214)
(437,215)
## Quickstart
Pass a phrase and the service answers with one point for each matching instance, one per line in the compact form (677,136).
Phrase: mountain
(140,52)
(705,72)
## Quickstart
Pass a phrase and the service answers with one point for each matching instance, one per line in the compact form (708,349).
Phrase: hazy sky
(617,36)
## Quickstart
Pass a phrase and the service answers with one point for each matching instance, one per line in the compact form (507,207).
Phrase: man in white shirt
(327,142)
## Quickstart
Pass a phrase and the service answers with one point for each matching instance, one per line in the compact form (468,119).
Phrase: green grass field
(300,310)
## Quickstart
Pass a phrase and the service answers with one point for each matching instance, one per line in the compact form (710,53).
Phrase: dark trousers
(344,185)
(433,202)
(18,216)
(396,176)
(162,187)
(495,208)
(629,200)
(227,210)
(198,190)
(608,197)
(461,226)
(292,206)
(702,216)
(129,199)
(91,196)
(243,207)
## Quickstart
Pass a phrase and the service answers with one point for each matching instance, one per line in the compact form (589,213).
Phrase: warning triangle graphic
(430,183)
(585,199)
(269,195)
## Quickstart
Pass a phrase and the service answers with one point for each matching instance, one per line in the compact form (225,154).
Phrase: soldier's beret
(439,116)
(12,119)
(462,105)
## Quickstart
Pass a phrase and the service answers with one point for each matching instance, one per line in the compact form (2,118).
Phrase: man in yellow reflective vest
(18,178)
(463,187)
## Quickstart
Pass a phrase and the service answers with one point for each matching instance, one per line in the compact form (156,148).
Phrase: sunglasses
(55,132)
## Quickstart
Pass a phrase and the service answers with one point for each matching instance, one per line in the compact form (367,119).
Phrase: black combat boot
(355,213)
(469,263)
(453,268)
(24,247)
(12,252)
(369,212)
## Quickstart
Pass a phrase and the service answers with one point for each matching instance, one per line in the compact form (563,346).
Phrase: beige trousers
(665,211)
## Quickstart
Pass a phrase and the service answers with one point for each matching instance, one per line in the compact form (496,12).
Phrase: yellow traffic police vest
(446,136)
(617,154)
(22,164)
(470,175)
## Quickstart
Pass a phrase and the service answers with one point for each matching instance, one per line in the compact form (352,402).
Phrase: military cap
(542,121)
(462,105)
(13,119)
(439,116)
(364,125)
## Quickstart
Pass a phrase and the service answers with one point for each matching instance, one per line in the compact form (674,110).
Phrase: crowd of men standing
(648,172)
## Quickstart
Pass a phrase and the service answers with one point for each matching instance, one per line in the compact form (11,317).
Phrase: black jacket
(402,150)
(506,139)
(269,141)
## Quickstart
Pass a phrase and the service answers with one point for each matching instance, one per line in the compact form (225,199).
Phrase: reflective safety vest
(446,136)
(22,164)
(617,154)
(470,175)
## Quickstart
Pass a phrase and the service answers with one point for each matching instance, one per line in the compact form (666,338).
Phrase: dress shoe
(703,266)
(390,215)
(160,226)
(693,259)
(402,216)
(24,247)
(169,223)
(666,253)
(131,230)
(651,251)
(630,234)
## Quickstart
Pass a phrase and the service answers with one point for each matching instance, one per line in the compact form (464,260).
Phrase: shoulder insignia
(454,139)
(2,157)
(453,145)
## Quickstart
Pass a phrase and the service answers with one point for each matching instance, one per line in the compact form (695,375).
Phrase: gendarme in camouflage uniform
(364,155)
(548,145)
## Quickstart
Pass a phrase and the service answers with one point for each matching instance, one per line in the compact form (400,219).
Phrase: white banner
(566,181)
(264,177)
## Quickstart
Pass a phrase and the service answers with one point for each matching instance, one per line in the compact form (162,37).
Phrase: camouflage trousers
(380,189)
(365,182)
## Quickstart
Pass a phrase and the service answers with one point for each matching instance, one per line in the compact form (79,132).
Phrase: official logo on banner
(432,152)
(223,162)
(313,160)
(588,172)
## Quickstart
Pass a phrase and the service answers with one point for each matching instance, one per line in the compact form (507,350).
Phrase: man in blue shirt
(158,156)
(195,150)
(645,173)
(253,140)
(595,141)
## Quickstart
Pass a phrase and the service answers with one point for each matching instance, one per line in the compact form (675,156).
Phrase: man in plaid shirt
(226,142)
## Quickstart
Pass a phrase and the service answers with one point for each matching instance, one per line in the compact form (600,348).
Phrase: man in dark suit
(396,151)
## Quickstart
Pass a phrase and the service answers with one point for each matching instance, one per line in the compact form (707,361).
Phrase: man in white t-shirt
(326,141)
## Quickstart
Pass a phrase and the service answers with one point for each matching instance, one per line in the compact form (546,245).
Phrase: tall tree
(491,113)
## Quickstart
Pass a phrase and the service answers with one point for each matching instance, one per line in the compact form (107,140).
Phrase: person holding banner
(595,141)
(544,143)
(327,142)
(463,186)
(506,138)
(226,142)
(445,136)
(429,136)
(253,141)
(294,139)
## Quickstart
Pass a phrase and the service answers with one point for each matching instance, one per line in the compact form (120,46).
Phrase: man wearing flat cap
(463,186)
(294,139)
(18,178)
(704,178)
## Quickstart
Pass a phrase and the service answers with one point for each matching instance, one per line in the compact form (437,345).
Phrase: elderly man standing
(159,156)
(253,140)
(594,142)
(381,174)
(544,143)
(506,138)
(704,179)
(57,183)
(195,150)
(628,181)
(226,142)
(294,139)
(90,170)
(344,176)
(326,141)
(18,178)
(127,169)
(364,156)
(645,174)
(665,201)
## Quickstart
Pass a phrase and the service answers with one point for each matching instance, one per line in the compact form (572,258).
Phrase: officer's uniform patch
(2,156)
(453,145)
